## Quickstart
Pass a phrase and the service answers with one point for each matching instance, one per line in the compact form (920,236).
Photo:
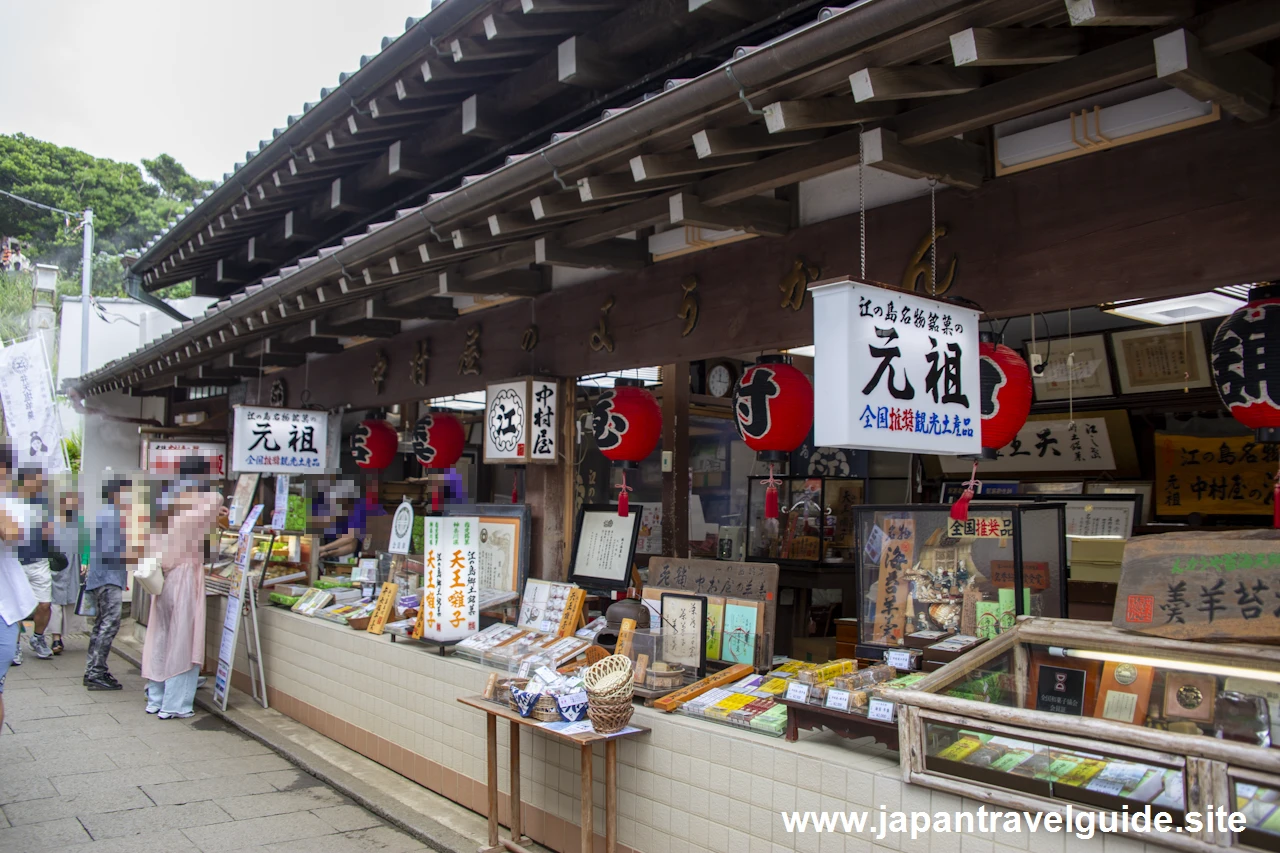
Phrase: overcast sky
(203,81)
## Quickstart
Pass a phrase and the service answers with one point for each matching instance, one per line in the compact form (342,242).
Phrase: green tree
(174,181)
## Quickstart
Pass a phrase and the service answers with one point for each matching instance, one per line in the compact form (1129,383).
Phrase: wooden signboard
(756,582)
(572,614)
(672,701)
(385,606)
(1213,476)
(1201,586)
(897,554)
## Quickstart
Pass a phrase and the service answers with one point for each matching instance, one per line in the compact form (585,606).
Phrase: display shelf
(816,524)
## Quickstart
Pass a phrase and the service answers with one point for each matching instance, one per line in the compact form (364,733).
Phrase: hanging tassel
(1275,502)
(624,504)
(515,488)
(771,495)
(960,509)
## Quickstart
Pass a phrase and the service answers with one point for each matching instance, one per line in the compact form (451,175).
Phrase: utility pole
(86,281)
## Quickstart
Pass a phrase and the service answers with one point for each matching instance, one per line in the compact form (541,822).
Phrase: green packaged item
(332,583)
(283,600)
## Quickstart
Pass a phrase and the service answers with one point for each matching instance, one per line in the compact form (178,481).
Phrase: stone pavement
(91,772)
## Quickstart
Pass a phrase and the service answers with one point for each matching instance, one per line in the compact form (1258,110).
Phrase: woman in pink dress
(174,649)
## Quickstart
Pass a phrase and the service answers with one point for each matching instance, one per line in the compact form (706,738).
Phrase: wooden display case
(1059,714)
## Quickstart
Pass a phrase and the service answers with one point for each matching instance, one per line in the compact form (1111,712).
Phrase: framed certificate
(1161,358)
(1075,367)
(604,546)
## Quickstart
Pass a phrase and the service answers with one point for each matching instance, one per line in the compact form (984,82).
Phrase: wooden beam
(209,372)
(555,7)
(952,161)
(580,62)
(265,359)
(336,200)
(515,282)
(480,119)
(977,46)
(757,215)
(838,111)
(565,203)
(789,167)
(516,256)
(316,345)
(228,272)
(427,306)
(1241,83)
(465,238)
(466,49)
(610,254)
(515,222)
(297,227)
(616,222)
(261,253)
(500,27)
(675,437)
(618,185)
(656,167)
(1128,13)
(748,139)
(321,328)
(912,81)
(1227,29)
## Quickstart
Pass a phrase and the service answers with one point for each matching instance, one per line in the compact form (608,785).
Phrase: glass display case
(815,524)
(921,570)
(292,558)
(1058,712)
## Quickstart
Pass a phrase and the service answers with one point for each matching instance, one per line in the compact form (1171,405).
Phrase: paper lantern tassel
(960,509)
(624,505)
(771,495)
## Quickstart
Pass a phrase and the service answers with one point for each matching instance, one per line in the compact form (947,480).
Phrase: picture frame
(1151,359)
(684,631)
(604,561)
(512,519)
(1088,377)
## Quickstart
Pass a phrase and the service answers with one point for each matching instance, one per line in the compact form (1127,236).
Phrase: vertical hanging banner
(451,599)
(895,371)
(520,421)
(30,415)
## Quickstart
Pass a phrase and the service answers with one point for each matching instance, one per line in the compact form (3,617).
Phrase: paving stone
(382,839)
(23,782)
(152,820)
(262,831)
(43,837)
(263,805)
(113,799)
(269,763)
(169,841)
(291,780)
(24,712)
(347,818)
(219,787)
(58,722)
(151,774)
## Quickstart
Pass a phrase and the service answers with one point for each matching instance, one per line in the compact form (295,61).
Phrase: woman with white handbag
(174,649)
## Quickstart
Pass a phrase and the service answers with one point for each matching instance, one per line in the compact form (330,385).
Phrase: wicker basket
(611,678)
(545,710)
(609,715)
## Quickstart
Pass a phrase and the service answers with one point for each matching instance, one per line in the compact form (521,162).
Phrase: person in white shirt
(17,601)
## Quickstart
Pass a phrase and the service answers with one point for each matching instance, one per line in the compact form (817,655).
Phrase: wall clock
(721,377)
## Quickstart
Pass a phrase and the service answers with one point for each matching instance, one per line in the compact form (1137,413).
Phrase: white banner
(279,441)
(1061,447)
(30,415)
(895,371)
(451,591)
(164,457)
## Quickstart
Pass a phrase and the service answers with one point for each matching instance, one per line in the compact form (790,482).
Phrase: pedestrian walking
(68,546)
(106,580)
(33,554)
(16,599)
(174,650)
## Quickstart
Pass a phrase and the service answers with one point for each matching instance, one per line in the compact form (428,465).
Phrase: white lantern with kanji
(451,579)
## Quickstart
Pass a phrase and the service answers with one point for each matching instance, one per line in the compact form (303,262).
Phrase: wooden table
(801,715)
(584,742)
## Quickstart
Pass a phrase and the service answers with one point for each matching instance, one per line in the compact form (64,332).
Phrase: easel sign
(235,612)
(604,546)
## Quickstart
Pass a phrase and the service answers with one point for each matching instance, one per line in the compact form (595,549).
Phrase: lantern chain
(933,237)
(862,203)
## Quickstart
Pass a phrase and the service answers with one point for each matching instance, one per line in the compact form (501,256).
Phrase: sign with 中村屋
(279,441)
(451,593)
(1224,475)
(520,418)
(895,371)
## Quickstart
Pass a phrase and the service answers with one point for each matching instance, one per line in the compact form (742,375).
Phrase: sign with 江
(30,414)
(895,371)
(451,594)
(1220,475)
(279,441)
(520,421)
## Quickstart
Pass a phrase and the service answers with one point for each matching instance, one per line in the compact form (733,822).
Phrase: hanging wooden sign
(520,422)
(1232,475)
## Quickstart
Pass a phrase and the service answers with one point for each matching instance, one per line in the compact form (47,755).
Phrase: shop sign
(279,441)
(401,528)
(981,527)
(895,371)
(1063,445)
(451,595)
(1214,476)
(164,457)
(520,421)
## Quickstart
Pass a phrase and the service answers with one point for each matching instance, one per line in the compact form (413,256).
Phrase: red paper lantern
(627,424)
(1006,395)
(1245,373)
(438,440)
(374,444)
(773,412)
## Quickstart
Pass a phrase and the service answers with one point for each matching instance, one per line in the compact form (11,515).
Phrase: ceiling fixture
(1179,309)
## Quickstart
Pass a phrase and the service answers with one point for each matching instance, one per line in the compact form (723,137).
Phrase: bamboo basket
(545,710)
(611,678)
(609,715)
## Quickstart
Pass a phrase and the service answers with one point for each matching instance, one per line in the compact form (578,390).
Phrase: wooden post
(588,810)
(675,438)
(491,730)
(517,831)
(610,796)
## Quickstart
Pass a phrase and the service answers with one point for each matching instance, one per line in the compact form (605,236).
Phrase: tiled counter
(688,787)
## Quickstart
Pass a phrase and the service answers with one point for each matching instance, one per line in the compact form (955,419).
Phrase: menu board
(605,546)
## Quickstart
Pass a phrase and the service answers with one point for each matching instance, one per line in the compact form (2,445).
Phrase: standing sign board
(520,421)
(451,595)
(401,528)
(279,441)
(895,371)
(281,511)
(235,609)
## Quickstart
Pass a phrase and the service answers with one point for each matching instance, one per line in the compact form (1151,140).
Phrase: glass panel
(1042,569)
(816,520)
(1032,766)
(1260,805)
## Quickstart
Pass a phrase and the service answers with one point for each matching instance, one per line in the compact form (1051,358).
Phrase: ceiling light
(809,351)
(1179,309)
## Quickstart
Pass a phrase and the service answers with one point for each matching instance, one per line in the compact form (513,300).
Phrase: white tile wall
(687,787)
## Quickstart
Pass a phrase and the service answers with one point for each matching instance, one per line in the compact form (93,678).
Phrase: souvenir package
(1243,718)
